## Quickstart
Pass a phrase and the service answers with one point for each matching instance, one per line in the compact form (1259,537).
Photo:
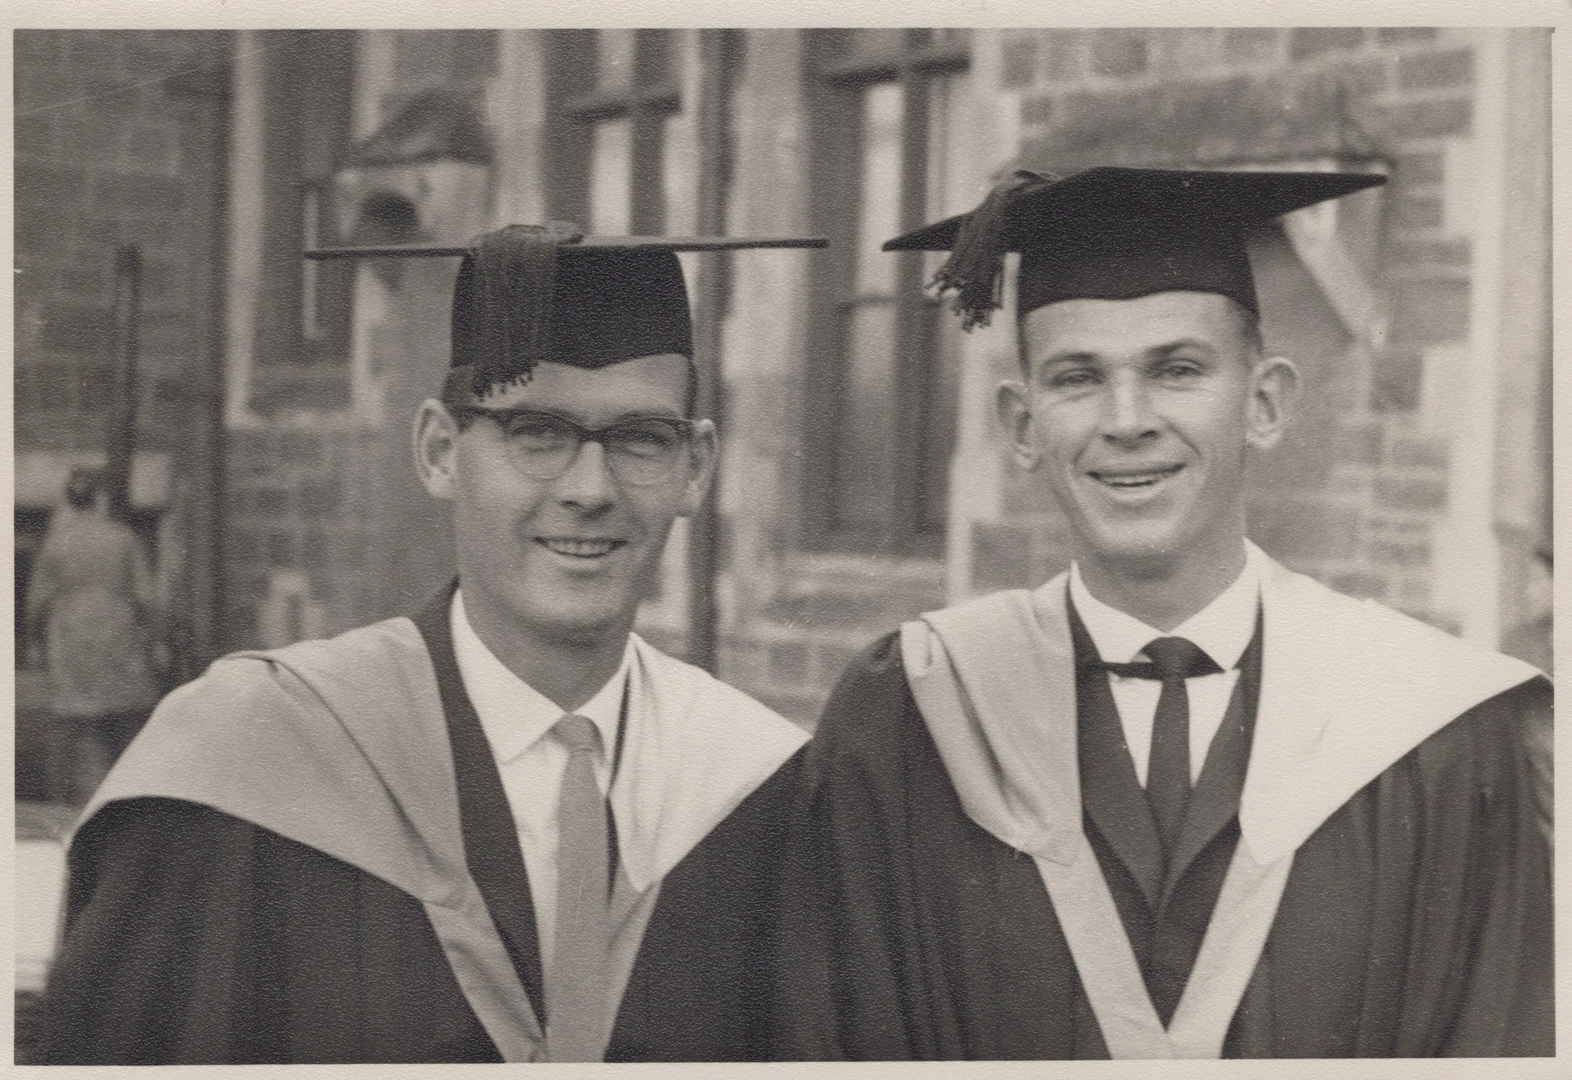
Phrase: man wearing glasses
(505,829)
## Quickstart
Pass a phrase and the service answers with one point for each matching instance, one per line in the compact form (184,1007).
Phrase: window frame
(835,74)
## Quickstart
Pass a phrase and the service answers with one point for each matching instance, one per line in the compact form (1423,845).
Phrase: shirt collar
(513,714)
(1222,628)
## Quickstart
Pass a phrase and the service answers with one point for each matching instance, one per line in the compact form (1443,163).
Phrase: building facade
(863,479)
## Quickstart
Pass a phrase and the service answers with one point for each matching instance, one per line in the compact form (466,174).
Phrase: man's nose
(1127,411)
(588,483)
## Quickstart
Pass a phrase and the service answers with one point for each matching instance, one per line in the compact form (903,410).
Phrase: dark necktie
(1174,659)
(577,977)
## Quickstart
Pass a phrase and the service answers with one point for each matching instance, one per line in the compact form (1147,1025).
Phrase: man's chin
(1132,553)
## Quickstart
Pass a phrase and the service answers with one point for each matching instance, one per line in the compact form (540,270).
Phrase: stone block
(241,546)
(37,186)
(1001,555)
(319,498)
(1307,41)
(788,663)
(1252,45)
(1359,442)
(1063,55)
(1408,253)
(149,147)
(1038,110)
(76,329)
(1430,310)
(269,502)
(1118,54)
(34,136)
(1363,78)
(1396,378)
(1416,211)
(98,51)
(1419,168)
(1419,452)
(37,48)
(1186,53)
(1305,528)
(1018,63)
(1428,119)
(298,447)
(1405,35)
(1361,584)
(1391,553)
(1411,491)
(278,546)
(88,282)
(1428,70)
(139,194)
(314,560)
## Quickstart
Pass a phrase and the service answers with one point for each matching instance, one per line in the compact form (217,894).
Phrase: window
(302,343)
(881,397)
(611,95)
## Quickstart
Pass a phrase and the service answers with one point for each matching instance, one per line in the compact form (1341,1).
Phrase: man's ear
(436,448)
(703,451)
(1014,404)
(1273,383)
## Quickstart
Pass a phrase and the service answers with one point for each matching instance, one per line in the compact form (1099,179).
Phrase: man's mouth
(1132,480)
(577,548)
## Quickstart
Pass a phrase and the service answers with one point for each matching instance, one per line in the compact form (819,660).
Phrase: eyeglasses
(544,445)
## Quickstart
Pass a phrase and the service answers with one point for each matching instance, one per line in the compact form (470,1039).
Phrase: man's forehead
(1145,321)
(645,384)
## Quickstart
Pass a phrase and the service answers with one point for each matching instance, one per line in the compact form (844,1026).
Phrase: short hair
(458,389)
(1249,328)
(82,487)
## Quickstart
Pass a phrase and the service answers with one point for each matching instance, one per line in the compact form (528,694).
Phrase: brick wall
(1364,516)
(115,133)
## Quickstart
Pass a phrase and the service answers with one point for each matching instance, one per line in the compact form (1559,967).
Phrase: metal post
(125,313)
(719,54)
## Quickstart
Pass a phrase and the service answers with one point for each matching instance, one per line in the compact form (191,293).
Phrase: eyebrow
(562,414)
(1165,351)
(1156,352)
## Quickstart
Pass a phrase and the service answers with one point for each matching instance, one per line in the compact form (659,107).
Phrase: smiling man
(505,829)
(1179,801)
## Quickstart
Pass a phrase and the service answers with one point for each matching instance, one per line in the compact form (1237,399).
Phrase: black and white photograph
(628,540)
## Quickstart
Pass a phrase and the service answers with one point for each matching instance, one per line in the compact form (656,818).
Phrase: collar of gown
(341,745)
(1348,687)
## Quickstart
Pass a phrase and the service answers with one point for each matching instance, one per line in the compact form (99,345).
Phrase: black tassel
(974,270)
(514,273)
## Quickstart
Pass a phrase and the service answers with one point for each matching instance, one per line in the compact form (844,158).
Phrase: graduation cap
(1115,233)
(526,294)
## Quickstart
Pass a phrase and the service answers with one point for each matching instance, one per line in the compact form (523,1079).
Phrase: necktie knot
(1172,658)
(578,734)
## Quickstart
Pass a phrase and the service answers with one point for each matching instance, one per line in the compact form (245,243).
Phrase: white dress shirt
(518,722)
(1222,630)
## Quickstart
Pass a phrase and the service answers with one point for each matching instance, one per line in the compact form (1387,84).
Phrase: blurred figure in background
(92,606)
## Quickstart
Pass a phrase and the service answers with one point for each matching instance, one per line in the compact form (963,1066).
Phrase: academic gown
(1415,919)
(195,935)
